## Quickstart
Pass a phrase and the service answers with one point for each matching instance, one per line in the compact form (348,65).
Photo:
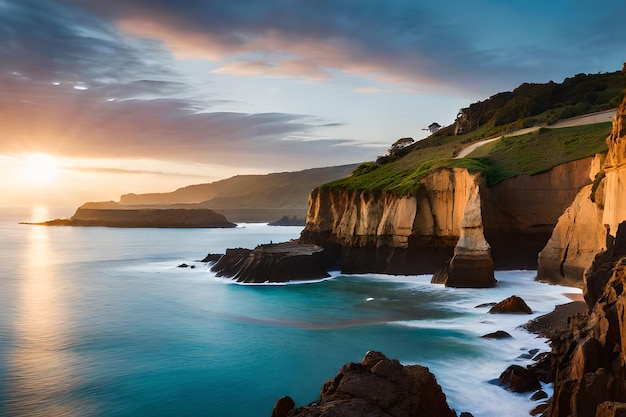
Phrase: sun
(40,169)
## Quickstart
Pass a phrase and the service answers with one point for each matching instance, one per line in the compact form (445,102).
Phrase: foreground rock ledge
(378,387)
(277,262)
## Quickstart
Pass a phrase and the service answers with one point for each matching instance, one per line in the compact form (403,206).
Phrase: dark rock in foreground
(161,218)
(278,262)
(379,387)
(513,305)
(589,360)
(519,379)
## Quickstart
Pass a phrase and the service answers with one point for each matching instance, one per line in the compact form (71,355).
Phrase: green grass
(527,154)
(539,151)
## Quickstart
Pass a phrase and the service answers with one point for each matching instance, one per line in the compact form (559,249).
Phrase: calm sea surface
(101,322)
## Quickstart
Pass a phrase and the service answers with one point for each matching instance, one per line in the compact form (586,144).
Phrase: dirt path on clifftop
(587,119)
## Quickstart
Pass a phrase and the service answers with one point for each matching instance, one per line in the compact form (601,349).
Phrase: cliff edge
(585,227)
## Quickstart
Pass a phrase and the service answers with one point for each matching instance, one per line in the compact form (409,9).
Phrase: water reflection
(40,368)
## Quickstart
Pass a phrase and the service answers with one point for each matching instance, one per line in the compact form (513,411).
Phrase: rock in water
(518,379)
(276,262)
(513,304)
(379,387)
(283,406)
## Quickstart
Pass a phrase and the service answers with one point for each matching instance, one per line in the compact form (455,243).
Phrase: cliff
(592,219)
(173,218)
(589,359)
(380,232)
(452,214)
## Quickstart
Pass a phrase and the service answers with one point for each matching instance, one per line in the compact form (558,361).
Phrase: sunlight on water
(39,214)
(39,367)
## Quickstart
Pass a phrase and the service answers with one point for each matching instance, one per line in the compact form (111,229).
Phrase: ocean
(99,322)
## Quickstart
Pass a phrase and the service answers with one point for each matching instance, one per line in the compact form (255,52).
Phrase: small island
(144,218)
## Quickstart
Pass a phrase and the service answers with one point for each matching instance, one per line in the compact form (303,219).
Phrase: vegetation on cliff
(529,105)
(528,154)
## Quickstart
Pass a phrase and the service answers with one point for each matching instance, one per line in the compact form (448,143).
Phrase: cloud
(60,120)
(479,46)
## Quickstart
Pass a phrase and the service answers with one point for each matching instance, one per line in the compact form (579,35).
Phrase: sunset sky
(100,98)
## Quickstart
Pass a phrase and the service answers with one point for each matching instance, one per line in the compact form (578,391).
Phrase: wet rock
(513,304)
(499,334)
(379,387)
(275,262)
(539,395)
(283,406)
(519,379)
(212,257)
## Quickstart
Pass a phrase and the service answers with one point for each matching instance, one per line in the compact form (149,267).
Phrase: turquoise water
(101,322)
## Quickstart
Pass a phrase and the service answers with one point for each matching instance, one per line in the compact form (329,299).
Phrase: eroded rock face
(577,238)
(380,232)
(379,387)
(520,213)
(471,265)
(279,262)
(593,218)
(590,360)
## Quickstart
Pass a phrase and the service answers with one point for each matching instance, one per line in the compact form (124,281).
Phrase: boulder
(379,387)
(283,406)
(511,305)
(519,379)
(499,334)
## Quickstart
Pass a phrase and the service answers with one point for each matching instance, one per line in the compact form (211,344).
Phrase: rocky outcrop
(519,379)
(170,218)
(577,238)
(583,230)
(590,359)
(511,305)
(381,232)
(505,226)
(379,387)
(471,265)
(279,262)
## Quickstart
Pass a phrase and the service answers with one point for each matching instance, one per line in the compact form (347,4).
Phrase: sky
(101,98)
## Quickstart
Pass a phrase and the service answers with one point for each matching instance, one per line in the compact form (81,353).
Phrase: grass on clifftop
(539,151)
(527,154)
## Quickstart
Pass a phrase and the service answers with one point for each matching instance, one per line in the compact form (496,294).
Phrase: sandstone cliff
(582,231)
(589,360)
(453,214)
(381,232)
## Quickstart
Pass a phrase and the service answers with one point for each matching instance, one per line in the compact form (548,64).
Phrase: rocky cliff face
(589,360)
(376,387)
(582,231)
(453,215)
(380,232)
